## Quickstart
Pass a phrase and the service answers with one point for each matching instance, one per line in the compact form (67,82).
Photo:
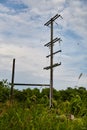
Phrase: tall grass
(37,117)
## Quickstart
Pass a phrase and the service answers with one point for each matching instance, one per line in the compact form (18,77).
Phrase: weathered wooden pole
(52,65)
(12,80)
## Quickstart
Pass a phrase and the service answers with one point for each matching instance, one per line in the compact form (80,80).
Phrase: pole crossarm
(52,19)
(25,84)
(49,67)
(53,41)
(54,53)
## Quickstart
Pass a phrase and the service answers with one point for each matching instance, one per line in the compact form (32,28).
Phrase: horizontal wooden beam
(54,53)
(49,67)
(52,19)
(24,84)
(53,41)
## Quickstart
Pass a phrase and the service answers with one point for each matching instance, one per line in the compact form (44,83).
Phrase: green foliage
(4,91)
(30,109)
(38,118)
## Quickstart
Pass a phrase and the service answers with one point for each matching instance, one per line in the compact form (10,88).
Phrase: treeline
(71,100)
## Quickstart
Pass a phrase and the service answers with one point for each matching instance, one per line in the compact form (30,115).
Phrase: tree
(4,91)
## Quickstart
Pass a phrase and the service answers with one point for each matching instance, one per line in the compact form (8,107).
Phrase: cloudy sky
(23,35)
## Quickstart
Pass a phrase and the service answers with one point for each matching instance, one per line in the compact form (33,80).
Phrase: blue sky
(23,35)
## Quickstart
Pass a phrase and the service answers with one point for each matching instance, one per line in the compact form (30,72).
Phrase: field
(30,109)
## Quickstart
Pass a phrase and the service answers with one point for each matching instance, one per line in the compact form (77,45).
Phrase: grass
(37,117)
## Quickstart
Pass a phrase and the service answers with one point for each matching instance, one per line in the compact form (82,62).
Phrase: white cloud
(4,9)
(23,34)
(75,17)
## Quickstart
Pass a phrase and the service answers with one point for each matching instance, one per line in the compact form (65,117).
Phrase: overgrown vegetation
(30,109)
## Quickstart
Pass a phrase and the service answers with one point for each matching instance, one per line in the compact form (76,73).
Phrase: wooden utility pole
(51,43)
(12,80)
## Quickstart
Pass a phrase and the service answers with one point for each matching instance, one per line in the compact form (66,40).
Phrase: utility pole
(12,80)
(51,44)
